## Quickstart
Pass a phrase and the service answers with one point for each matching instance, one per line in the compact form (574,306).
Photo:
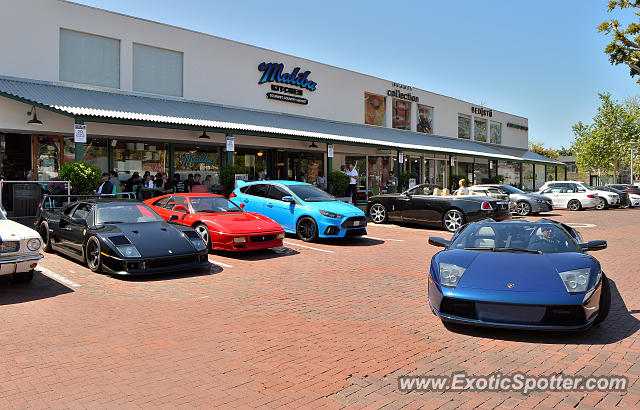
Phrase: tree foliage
(84,177)
(538,148)
(625,44)
(603,145)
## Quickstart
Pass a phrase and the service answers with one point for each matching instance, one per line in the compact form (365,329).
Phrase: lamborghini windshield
(516,237)
(125,213)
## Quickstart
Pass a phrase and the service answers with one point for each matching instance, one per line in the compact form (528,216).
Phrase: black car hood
(152,239)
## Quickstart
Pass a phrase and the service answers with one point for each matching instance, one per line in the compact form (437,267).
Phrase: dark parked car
(119,236)
(420,205)
(630,189)
(625,202)
(518,274)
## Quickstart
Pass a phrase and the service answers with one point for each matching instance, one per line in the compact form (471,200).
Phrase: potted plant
(338,183)
(84,177)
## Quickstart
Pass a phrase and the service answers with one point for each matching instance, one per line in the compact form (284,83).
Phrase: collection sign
(294,82)
(80,133)
(399,92)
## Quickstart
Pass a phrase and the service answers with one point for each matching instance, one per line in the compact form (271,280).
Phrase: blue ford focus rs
(518,274)
(301,208)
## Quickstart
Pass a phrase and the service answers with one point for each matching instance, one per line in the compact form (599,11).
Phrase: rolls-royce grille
(354,221)
(263,238)
(9,246)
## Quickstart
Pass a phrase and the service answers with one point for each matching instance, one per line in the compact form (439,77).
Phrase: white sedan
(635,199)
(19,246)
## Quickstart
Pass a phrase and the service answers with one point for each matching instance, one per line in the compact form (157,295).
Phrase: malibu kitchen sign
(275,73)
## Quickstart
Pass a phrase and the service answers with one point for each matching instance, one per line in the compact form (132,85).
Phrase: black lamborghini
(119,236)
(420,205)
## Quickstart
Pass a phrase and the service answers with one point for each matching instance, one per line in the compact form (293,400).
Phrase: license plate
(356,223)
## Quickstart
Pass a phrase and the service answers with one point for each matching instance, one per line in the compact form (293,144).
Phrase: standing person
(188,182)
(321,181)
(463,190)
(178,184)
(207,182)
(196,181)
(392,183)
(114,178)
(166,185)
(353,182)
(106,187)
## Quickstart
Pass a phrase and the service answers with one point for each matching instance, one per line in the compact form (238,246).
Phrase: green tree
(624,47)
(538,148)
(84,177)
(603,146)
(566,152)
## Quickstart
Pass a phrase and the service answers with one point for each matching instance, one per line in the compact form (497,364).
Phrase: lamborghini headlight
(128,251)
(34,244)
(450,274)
(576,281)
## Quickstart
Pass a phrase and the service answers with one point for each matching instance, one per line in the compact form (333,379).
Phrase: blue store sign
(275,73)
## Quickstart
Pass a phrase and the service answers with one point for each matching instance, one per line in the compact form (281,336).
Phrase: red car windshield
(213,204)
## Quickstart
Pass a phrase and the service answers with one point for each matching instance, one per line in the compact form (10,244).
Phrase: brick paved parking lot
(309,325)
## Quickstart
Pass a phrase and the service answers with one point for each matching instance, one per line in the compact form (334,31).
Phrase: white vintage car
(19,246)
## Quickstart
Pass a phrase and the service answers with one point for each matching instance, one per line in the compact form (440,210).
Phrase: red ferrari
(221,223)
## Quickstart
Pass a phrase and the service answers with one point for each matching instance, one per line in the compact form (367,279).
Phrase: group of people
(159,181)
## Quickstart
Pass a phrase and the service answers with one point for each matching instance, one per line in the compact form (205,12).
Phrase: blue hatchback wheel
(307,229)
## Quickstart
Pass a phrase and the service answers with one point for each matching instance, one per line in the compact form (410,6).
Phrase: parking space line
(402,228)
(384,239)
(307,247)
(57,277)
(580,225)
(224,265)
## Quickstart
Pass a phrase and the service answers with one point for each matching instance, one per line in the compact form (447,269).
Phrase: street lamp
(633,146)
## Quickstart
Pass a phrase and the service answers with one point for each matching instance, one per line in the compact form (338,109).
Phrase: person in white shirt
(463,190)
(353,182)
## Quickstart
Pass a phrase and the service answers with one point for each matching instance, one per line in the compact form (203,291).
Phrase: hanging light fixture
(313,145)
(260,153)
(34,120)
(204,136)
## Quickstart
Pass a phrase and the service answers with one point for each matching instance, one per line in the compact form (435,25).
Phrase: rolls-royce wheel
(46,236)
(523,208)
(605,301)
(92,255)
(453,220)
(378,213)
(204,233)
(574,205)
(602,203)
(307,229)
(23,277)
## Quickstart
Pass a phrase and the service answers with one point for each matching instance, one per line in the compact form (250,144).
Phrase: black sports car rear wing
(59,201)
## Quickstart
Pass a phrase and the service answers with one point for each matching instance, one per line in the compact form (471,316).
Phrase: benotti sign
(275,73)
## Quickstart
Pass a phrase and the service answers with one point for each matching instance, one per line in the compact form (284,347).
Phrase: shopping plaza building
(159,98)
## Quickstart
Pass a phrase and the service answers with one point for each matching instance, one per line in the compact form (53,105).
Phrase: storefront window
(378,172)
(539,176)
(496,132)
(481,171)
(197,160)
(463,168)
(527,177)
(436,171)
(510,171)
(130,157)
(254,160)
(96,152)
(311,164)
(375,110)
(551,172)
(48,151)
(480,130)
(464,126)
(401,111)
(425,119)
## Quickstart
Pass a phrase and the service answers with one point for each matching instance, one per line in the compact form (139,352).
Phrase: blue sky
(540,59)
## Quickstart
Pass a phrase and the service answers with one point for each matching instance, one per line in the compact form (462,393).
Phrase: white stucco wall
(215,69)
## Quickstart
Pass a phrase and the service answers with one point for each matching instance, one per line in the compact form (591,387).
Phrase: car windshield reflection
(310,193)
(515,237)
(213,205)
(125,213)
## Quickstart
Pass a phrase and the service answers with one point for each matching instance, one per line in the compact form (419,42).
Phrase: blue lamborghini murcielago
(518,274)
